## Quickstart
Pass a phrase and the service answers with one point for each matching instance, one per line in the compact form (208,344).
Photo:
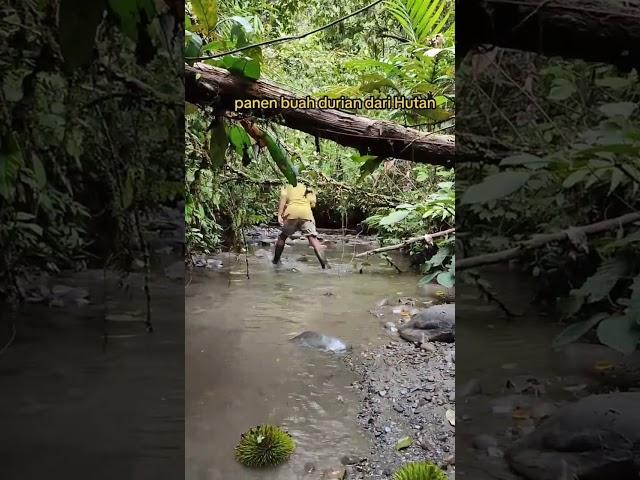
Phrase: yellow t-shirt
(298,207)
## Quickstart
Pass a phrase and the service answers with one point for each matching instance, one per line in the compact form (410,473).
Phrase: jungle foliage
(89,115)
(573,162)
(236,162)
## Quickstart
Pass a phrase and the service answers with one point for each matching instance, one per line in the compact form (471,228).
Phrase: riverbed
(243,371)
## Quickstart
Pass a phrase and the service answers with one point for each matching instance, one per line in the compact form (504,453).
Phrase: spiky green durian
(420,471)
(264,446)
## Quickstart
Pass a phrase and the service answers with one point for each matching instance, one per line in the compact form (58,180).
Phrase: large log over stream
(206,85)
(594,30)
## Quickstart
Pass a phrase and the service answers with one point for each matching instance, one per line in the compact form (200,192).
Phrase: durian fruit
(264,446)
(420,471)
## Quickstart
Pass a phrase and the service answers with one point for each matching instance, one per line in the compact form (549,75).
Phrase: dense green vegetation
(573,162)
(90,113)
(394,48)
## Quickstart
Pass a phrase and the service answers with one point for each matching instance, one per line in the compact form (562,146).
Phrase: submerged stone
(321,342)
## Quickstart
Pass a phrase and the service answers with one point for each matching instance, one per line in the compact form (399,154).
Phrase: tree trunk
(593,30)
(207,85)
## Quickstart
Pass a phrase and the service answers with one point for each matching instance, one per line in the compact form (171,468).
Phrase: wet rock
(433,324)
(569,444)
(213,263)
(321,342)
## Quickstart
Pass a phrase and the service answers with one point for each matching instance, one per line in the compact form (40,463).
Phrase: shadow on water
(242,370)
(78,408)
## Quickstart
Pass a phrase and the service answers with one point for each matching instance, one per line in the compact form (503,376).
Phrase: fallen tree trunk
(207,85)
(594,30)
(538,241)
(409,241)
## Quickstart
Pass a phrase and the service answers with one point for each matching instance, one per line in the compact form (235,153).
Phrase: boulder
(433,324)
(596,437)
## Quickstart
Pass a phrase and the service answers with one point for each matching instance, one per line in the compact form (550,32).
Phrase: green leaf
(495,187)
(39,173)
(11,161)
(620,333)
(370,166)
(245,66)
(280,156)
(12,84)
(524,159)
(218,144)
(446,279)
(403,443)
(619,109)
(394,217)
(598,286)
(362,158)
(576,330)
(206,12)
(575,178)
(239,139)
(192,44)
(562,89)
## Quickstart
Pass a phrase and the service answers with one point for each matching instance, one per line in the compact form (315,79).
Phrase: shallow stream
(242,370)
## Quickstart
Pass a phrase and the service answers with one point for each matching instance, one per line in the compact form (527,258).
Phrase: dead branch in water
(427,238)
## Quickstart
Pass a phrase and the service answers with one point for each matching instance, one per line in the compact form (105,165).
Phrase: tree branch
(538,241)
(206,85)
(427,237)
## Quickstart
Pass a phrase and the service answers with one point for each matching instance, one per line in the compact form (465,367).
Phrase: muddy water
(242,370)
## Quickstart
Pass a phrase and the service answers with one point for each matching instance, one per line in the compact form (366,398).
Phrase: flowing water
(242,370)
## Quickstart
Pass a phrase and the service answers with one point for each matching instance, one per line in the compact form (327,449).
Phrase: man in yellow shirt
(294,214)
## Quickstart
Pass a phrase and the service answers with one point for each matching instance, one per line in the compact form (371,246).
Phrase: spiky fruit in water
(420,471)
(264,446)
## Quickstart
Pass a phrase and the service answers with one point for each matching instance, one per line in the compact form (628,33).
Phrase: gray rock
(596,437)
(433,324)
(321,342)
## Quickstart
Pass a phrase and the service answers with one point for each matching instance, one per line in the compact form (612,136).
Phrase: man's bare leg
(315,243)
(282,238)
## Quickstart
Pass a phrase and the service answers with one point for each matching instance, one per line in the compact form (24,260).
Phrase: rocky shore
(408,396)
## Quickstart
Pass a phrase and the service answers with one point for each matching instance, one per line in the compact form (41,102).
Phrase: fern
(420,19)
